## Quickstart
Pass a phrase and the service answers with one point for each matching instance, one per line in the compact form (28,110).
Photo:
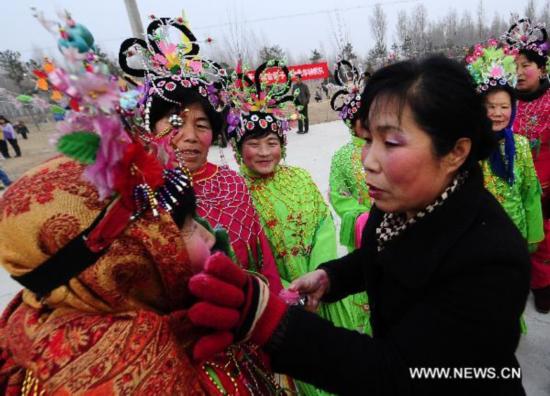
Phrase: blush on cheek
(529,73)
(247,155)
(400,170)
(206,140)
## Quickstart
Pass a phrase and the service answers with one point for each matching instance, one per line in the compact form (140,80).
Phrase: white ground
(313,151)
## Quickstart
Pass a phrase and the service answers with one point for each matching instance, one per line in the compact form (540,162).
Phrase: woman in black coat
(446,271)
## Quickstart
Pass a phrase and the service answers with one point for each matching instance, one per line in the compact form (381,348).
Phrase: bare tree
(451,28)
(378,26)
(467,29)
(531,10)
(497,26)
(545,13)
(419,24)
(402,27)
(480,21)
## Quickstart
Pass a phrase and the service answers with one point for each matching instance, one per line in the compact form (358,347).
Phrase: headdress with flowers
(350,82)
(125,170)
(525,35)
(491,65)
(167,67)
(256,105)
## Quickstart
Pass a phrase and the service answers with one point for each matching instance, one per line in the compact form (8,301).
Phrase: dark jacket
(447,293)
(303,95)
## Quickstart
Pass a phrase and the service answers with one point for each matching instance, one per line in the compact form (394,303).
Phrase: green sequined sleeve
(324,243)
(323,248)
(531,194)
(342,199)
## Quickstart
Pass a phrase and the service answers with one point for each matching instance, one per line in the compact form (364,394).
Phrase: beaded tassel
(176,181)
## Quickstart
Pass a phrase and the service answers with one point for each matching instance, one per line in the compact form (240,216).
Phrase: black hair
(185,97)
(5,119)
(257,134)
(186,206)
(441,95)
(533,56)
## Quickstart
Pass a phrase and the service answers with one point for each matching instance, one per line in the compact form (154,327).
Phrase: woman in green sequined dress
(296,219)
(349,194)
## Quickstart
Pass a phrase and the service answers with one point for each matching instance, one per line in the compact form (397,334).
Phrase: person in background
(509,173)
(10,137)
(21,129)
(533,122)
(302,100)
(349,194)
(4,178)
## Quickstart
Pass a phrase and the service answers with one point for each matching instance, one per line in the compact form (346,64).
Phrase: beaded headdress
(256,106)
(170,68)
(491,65)
(524,35)
(350,83)
(126,171)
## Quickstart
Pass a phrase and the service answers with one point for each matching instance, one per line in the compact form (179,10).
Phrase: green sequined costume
(349,194)
(521,200)
(299,226)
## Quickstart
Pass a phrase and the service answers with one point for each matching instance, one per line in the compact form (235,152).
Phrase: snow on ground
(313,151)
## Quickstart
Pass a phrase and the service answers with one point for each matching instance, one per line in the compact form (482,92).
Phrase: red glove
(236,305)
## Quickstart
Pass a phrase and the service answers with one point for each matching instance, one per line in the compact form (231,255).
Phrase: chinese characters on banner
(310,71)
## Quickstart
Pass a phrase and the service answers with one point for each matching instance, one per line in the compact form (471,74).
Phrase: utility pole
(135,19)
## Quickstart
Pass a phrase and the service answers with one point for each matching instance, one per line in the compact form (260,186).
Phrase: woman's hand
(314,285)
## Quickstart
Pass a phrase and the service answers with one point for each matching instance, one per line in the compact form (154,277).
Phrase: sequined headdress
(169,68)
(491,65)
(525,35)
(256,106)
(350,83)
(128,172)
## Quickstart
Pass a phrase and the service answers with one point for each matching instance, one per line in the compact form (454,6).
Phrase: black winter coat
(447,293)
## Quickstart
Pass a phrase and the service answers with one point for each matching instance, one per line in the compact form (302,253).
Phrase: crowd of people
(147,269)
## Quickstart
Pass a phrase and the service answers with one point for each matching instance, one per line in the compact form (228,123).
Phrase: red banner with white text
(310,71)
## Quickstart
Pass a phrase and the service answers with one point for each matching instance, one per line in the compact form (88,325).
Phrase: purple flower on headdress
(213,95)
(111,149)
(98,91)
(344,112)
(233,121)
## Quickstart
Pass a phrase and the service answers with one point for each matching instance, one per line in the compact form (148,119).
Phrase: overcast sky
(297,26)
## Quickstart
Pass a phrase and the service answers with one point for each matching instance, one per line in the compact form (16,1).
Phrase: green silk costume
(521,200)
(300,229)
(349,194)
